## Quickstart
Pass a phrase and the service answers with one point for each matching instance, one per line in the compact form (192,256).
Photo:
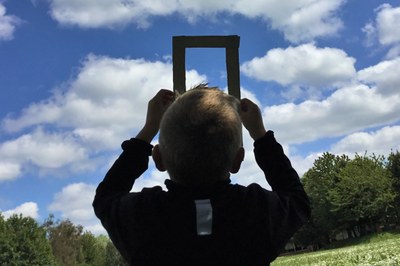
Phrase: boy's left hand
(155,111)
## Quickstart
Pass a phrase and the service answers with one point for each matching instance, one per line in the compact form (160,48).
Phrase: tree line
(23,242)
(353,197)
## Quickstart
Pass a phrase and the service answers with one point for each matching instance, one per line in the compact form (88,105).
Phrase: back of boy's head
(200,135)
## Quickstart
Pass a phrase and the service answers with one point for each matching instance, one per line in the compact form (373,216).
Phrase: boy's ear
(157,158)
(237,161)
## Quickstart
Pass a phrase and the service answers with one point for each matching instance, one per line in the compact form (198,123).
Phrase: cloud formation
(74,202)
(104,104)
(387,20)
(385,75)
(106,93)
(385,29)
(9,170)
(304,65)
(376,142)
(301,20)
(49,152)
(347,110)
(8,24)
(27,209)
(43,149)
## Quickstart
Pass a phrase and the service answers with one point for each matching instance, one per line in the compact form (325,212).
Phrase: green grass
(378,249)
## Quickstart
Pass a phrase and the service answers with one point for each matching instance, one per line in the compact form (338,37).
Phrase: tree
(6,249)
(113,257)
(23,242)
(65,240)
(318,181)
(93,249)
(393,167)
(363,193)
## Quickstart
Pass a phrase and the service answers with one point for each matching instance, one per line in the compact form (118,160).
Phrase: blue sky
(76,76)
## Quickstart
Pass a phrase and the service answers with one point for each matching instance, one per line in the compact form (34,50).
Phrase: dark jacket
(243,225)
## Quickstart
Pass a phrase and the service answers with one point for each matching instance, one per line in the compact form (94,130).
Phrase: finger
(161,94)
(166,92)
(164,96)
(244,105)
(168,99)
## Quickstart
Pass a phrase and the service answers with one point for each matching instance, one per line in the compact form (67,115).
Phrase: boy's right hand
(252,119)
(155,111)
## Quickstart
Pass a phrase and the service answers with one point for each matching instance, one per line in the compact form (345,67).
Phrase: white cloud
(394,51)
(380,142)
(74,202)
(370,33)
(304,65)
(350,108)
(385,29)
(307,19)
(43,150)
(300,20)
(9,170)
(388,21)
(106,92)
(48,152)
(8,23)
(27,209)
(103,105)
(385,75)
(108,13)
(347,110)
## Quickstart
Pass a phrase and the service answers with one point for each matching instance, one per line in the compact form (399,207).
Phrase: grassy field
(379,249)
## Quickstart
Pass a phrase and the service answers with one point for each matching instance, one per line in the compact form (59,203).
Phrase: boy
(202,219)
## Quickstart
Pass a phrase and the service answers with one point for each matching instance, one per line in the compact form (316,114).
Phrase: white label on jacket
(204,217)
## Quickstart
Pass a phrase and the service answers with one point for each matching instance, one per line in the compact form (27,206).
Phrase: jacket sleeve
(118,182)
(288,205)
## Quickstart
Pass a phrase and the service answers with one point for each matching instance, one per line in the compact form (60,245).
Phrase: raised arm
(287,205)
(269,153)
(155,111)
(135,156)
(251,118)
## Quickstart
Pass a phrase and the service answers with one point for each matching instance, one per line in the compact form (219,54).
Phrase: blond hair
(200,134)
